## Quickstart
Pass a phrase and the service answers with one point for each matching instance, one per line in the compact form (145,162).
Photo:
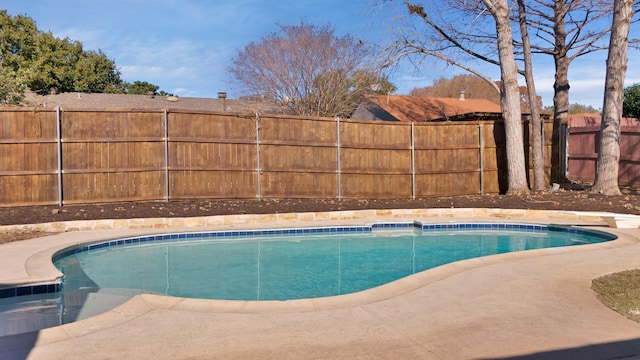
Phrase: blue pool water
(273,264)
(291,266)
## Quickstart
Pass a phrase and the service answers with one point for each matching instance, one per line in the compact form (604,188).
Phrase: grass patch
(620,292)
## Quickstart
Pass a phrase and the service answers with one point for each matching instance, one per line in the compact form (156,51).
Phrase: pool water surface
(291,266)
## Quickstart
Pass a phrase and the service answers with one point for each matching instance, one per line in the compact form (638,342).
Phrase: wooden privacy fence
(582,153)
(84,156)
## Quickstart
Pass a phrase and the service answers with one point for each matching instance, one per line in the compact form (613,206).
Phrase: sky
(185,46)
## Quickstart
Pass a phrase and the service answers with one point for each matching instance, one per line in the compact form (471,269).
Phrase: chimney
(223,97)
(461,98)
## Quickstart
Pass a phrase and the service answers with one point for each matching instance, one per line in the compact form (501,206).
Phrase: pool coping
(603,218)
(36,256)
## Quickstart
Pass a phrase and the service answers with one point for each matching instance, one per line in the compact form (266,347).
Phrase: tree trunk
(510,99)
(560,116)
(539,182)
(607,165)
(560,89)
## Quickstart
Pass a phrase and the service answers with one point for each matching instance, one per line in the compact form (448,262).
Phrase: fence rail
(109,155)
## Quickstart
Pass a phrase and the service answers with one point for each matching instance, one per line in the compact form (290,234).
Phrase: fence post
(338,156)
(563,145)
(166,154)
(59,141)
(544,162)
(481,158)
(258,170)
(413,162)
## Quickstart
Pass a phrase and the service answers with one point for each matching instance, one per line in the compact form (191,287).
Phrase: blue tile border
(230,234)
(30,290)
(520,227)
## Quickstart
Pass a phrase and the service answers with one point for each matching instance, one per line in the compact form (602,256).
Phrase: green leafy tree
(54,65)
(64,65)
(11,89)
(142,88)
(631,104)
(34,60)
(95,72)
(136,88)
(17,45)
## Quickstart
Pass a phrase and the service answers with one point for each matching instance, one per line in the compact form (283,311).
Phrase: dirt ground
(559,200)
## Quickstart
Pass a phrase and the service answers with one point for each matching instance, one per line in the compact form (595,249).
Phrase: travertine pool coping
(436,214)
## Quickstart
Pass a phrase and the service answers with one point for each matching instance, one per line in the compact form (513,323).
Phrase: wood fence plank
(119,155)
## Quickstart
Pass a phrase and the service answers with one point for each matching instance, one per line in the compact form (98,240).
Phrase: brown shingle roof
(593,120)
(418,108)
(127,101)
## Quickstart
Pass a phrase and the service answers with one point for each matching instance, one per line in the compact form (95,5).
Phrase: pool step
(613,220)
(621,221)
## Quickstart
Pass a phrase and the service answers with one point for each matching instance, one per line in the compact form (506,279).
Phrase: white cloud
(180,91)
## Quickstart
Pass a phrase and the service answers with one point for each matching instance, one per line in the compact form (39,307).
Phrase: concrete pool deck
(533,304)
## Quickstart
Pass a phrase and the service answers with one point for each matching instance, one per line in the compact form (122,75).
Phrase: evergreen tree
(631,104)
(38,61)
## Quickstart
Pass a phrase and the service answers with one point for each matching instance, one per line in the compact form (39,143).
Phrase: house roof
(418,108)
(78,100)
(593,120)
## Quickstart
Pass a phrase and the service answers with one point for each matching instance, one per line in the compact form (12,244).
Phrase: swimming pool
(294,263)
(277,264)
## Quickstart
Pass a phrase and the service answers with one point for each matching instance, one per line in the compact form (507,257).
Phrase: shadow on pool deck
(18,347)
(627,350)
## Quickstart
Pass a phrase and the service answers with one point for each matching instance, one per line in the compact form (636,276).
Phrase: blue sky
(184,46)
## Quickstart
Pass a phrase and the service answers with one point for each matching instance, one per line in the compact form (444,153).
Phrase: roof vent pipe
(461,98)
(223,97)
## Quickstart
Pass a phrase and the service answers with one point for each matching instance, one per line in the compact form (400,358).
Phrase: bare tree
(566,30)
(510,97)
(607,165)
(444,38)
(474,88)
(309,70)
(539,182)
